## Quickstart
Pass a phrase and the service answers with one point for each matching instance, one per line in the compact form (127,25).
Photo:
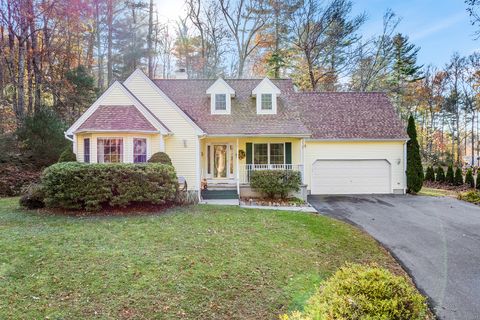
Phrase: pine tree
(469,178)
(440,175)
(458,177)
(414,161)
(450,178)
(477,185)
(430,175)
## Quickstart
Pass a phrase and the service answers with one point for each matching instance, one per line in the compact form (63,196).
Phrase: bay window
(109,150)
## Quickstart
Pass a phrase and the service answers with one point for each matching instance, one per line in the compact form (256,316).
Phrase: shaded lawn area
(434,192)
(202,261)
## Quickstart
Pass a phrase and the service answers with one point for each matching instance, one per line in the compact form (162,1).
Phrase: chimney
(181,74)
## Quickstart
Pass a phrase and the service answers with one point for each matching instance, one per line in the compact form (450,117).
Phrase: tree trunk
(37,69)
(150,41)
(109,41)
(99,46)
(29,78)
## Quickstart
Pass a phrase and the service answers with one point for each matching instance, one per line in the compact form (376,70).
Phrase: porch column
(237,169)
(197,167)
(162,143)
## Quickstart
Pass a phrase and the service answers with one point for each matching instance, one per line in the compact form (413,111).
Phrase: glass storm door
(220,158)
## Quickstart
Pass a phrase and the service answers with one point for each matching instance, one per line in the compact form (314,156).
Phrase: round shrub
(440,175)
(160,157)
(458,180)
(469,178)
(34,197)
(67,155)
(430,174)
(365,292)
(73,185)
(275,182)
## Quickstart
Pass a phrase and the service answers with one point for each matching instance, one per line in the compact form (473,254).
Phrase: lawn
(434,192)
(199,262)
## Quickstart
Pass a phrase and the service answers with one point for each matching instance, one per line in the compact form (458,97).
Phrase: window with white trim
(268,153)
(267,103)
(109,150)
(86,150)
(220,102)
(139,150)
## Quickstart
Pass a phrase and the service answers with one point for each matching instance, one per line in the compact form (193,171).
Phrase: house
(220,130)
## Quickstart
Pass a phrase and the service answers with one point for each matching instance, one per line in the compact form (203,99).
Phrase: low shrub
(33,197)
(472,196)
(469,178)
(72,185)
(458,180)
(274,183)
(450,178)
(440,177)
(430,174)
(160,157)
(364,292)
(67,155)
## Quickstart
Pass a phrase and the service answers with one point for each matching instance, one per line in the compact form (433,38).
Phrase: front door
(220,161)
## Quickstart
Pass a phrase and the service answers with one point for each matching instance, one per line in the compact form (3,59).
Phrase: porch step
(222,186)
(219,194)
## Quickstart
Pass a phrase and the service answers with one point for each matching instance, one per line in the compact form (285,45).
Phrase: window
(268,153)
(86,150)
(139,150)
(267,101)
(221,102)
(109,150)
(277,153)
(260,153)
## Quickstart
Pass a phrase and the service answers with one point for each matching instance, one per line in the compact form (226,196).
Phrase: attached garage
(347,176)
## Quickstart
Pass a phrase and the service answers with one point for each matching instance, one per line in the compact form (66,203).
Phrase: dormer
(221,95)
(266,95)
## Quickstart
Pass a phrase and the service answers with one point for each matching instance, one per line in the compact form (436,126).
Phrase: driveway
(436,239)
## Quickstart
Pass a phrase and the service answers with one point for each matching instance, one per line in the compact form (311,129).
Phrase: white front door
(220,161)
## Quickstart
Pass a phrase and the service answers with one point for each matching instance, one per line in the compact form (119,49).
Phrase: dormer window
(220,102)
(221,95)
(267,104)
(266,94)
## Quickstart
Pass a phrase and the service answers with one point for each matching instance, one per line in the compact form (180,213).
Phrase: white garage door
(350,177)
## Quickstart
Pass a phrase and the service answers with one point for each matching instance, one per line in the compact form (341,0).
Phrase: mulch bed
(137,209)
(272,202)
(446,186)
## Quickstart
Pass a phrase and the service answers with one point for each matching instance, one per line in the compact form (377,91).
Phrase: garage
(347,176)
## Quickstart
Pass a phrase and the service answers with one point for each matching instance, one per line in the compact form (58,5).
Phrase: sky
(438,27)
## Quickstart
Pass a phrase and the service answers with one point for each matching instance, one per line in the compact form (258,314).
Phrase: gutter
(67,137)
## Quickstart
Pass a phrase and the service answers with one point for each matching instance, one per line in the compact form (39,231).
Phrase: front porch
(227,162)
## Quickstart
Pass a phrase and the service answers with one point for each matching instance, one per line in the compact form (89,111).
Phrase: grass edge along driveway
(191,262)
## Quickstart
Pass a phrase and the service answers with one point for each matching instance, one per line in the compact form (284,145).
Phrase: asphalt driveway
(436,239)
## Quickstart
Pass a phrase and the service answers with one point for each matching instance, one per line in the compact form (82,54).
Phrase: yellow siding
(389,150)
(153,144)
(116,97)
(181,146)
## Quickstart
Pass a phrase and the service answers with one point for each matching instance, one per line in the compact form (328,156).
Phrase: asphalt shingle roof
(341,115)
(118,117)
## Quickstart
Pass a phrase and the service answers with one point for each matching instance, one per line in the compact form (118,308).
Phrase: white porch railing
(245,170)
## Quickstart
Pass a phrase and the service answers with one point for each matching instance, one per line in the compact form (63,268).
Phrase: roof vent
(181,74)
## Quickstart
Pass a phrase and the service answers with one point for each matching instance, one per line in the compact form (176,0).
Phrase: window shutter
(249,153)
(288,153)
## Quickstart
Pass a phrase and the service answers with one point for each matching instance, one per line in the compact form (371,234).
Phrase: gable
(117,95)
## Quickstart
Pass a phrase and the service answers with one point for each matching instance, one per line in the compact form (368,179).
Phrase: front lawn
(199,262)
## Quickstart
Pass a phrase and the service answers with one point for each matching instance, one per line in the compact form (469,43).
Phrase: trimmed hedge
(430,174)
(364,292)
(274,183)
(71,185)
(160,157)
(450,177)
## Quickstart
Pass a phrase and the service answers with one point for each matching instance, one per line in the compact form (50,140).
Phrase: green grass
(437,192)
(199,262)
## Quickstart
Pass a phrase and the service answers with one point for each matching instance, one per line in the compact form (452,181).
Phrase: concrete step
(221,202)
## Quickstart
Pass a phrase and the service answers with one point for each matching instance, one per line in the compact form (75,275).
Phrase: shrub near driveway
(89,186)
